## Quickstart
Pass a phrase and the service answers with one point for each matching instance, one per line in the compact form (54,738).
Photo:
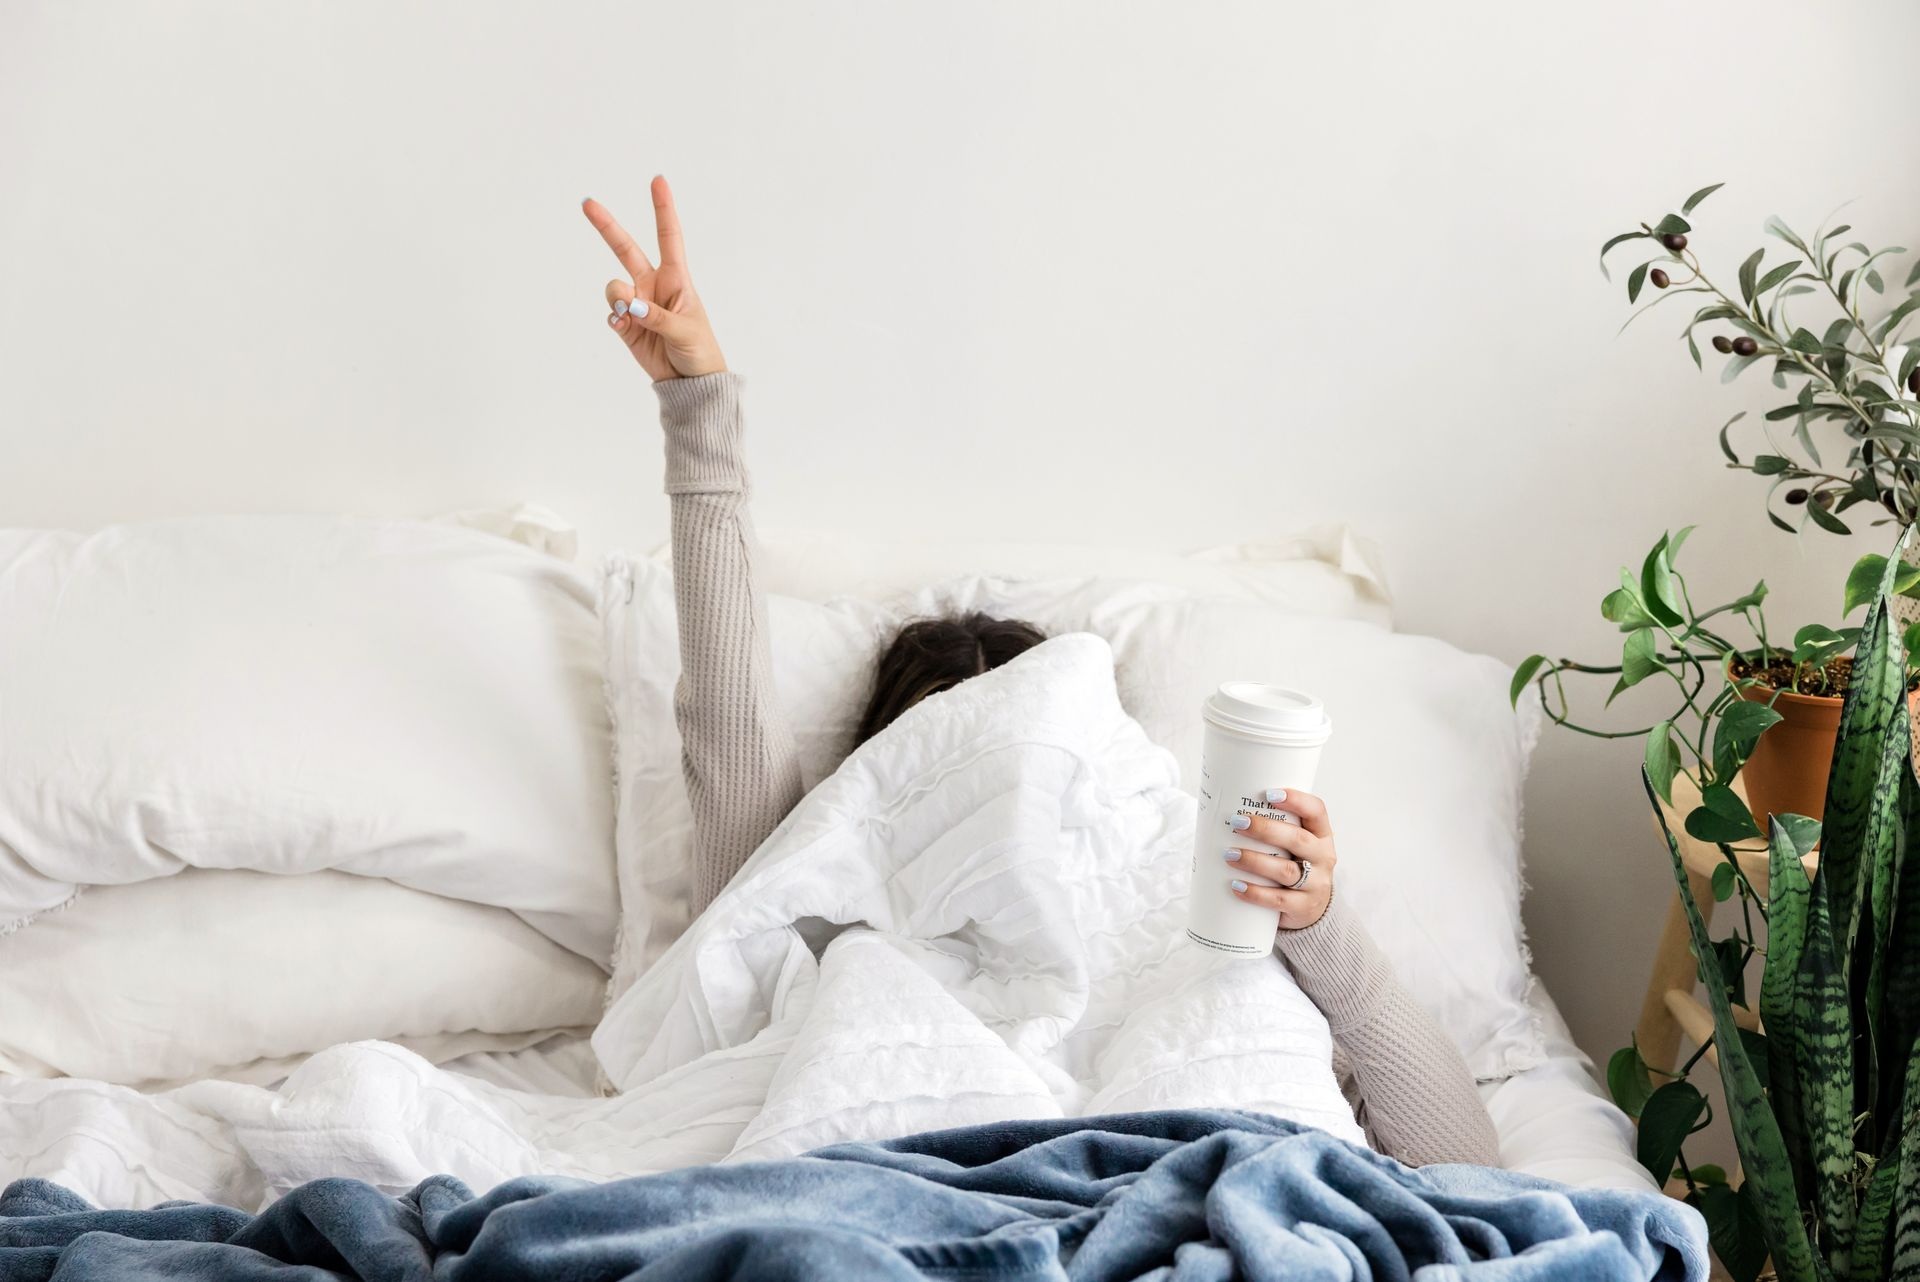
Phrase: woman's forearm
(1417,1094)
(742,769)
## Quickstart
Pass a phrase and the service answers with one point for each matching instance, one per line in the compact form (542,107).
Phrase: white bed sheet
(1554,1120)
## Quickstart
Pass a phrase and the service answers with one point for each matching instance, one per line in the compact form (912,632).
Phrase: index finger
(624,247)
(1311,810)
(666,225)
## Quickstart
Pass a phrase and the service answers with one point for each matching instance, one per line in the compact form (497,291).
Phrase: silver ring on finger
(1306,871)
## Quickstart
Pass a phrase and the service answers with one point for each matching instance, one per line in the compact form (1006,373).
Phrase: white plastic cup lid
(1276,713)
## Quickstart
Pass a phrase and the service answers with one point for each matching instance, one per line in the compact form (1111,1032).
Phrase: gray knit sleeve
(737,749)
(1417,1097)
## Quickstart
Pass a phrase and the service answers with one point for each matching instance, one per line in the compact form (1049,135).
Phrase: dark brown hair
(930,655)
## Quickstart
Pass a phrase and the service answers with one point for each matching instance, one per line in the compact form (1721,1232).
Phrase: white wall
(1163,274)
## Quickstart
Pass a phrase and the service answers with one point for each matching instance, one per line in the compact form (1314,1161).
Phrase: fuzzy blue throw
(1186,1195)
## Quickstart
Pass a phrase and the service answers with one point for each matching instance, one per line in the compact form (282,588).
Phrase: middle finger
(1281,870)
(1269,831)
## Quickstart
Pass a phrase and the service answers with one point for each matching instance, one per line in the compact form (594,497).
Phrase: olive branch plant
(1863,374)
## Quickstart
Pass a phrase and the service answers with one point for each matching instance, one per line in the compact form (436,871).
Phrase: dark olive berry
(1745,346)
(1866,453)
(1722,344)
(1796,497)
(1659,278)
(1821,499)
(1913,381)
(1674,240)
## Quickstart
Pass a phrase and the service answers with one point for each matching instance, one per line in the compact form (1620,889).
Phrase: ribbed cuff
(702,420)
(1338,965)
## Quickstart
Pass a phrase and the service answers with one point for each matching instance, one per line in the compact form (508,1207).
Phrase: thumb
(651,316)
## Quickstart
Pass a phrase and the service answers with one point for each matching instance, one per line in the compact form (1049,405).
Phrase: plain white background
(1155,274)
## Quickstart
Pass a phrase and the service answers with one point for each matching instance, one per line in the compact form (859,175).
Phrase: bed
(1554,1121)
(494,779)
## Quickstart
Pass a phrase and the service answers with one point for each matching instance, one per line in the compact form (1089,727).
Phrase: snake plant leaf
(1900,1015)
(1823,1053)
(1769,1173)
(1789,894)
(1863,786)
(1906,1196)
(1889,827)
(1873,1236)
(1874,750)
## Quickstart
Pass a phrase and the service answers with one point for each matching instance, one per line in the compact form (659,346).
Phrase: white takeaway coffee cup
(1257,737)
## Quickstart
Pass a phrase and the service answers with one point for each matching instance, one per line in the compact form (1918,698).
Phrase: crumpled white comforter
(978,917)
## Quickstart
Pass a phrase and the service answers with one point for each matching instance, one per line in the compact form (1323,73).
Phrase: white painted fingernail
(619,307)
(639,308)
(1276,795)
(1240,886)
(614,321)
(1239,823)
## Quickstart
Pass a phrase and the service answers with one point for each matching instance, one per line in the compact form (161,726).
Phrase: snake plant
(1824,1096)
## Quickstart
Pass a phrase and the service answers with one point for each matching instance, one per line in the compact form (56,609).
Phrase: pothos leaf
(1666,1119)
(1721,816)
(1522,675)
(1658,592)
(1723,882)
(1628,1080)
(1662,759)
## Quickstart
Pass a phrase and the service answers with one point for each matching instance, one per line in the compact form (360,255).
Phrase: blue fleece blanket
(1187,1195)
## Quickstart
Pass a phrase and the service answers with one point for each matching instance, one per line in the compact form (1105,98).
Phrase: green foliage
(1847,370)
(1825,1107)
(1716,722)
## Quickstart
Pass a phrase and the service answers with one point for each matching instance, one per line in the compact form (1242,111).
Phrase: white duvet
(977,917)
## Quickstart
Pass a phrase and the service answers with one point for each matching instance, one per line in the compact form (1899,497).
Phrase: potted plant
(1822,1073)
(1820,1067)
(1766,712)
(1861,376)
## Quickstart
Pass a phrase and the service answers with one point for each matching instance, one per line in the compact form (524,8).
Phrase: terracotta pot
(1787,773)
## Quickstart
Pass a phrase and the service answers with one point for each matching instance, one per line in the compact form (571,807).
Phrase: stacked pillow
(275,783)
(1423,775)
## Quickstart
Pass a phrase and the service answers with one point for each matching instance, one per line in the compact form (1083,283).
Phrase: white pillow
(236,974)
(1328,571)
(392,698)
(1424,772)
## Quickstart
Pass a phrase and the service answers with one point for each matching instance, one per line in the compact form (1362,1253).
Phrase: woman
(1410,1089)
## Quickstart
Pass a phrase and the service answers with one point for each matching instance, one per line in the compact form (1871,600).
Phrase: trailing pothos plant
(1822,1074)
(1860,373)
(1716,719)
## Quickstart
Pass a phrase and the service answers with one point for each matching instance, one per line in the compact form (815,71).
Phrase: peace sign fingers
(624,247)
(666,223)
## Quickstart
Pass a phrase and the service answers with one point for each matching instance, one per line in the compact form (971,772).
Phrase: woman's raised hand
(655,311)
(1303,870)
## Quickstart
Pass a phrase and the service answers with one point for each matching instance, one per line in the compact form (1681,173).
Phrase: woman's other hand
(655,311)
(1310,840)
